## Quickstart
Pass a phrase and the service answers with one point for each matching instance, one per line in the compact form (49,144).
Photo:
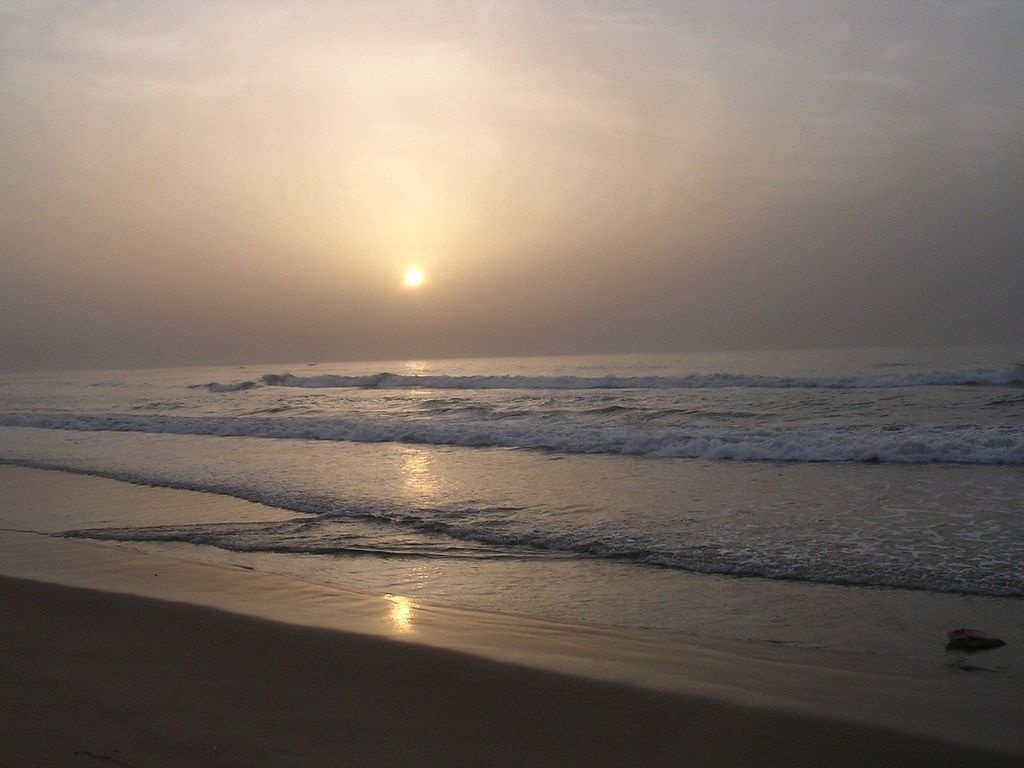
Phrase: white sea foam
(982,377)
(902,445)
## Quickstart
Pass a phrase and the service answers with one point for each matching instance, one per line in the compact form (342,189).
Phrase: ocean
(849,500)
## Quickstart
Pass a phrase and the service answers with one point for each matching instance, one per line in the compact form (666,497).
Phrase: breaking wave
(886,444)
(384,380)
(214,386)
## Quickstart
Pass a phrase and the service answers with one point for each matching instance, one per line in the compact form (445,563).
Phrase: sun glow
(413,277)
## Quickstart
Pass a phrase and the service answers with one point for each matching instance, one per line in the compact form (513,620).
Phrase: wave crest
(898,445)
(1013,376)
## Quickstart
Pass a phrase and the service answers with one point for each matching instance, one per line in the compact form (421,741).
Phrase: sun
(413,277)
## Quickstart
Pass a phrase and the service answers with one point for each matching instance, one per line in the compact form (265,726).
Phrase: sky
(231,182)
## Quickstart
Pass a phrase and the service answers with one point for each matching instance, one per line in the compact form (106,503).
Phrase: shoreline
(94,677)
(914,702)
(858,617)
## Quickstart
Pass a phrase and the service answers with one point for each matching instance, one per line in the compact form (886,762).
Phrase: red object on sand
(971,640)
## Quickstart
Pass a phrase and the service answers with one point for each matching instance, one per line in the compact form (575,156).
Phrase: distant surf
(384,380)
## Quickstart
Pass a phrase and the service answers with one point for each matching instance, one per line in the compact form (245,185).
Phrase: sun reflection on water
(400,615)
(418,476)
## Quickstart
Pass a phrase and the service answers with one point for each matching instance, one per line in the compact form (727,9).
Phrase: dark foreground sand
(97,679)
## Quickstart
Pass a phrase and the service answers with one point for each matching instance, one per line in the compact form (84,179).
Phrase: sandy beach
(100,679)
(113,655)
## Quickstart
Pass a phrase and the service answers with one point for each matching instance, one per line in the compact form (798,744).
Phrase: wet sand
(92,678)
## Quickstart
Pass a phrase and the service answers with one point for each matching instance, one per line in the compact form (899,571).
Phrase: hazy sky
(204,182)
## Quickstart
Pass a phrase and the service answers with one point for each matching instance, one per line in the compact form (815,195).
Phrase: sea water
(849,500)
